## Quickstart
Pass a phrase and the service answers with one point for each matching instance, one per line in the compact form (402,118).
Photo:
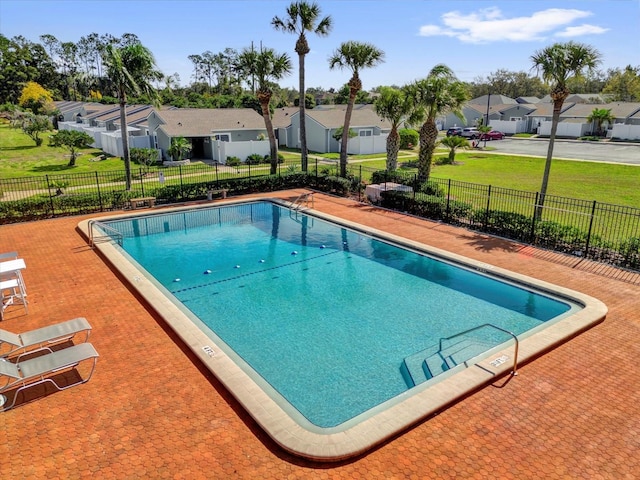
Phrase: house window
(366,133)
(515,119)
(223,137)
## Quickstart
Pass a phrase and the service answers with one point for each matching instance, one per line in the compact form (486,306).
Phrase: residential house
(323,121)
(215,134)
(281,121)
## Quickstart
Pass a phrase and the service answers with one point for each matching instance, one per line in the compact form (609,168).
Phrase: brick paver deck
(152,411)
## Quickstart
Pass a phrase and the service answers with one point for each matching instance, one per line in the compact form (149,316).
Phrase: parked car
(470,132)
(492,135)
(454,131)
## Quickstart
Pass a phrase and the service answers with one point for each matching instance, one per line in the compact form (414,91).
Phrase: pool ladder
(491,325)
(112,233)
(303,200)
(437,359)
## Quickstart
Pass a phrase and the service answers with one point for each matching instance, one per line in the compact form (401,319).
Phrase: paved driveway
(627,153)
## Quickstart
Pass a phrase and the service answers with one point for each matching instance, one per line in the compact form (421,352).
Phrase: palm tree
(354,56)
(269,66)
(438,94)
(453,143)
(131,69)
(601,116)
(180,146)
(557,64)
(303,17)
(395,106)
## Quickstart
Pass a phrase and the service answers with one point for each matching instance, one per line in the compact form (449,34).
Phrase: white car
(470,132)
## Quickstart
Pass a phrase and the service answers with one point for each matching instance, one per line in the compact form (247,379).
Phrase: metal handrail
(515,360)
(119,237)
(297,204)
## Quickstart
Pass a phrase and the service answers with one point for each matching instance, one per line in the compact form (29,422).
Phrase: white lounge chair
(42,338)
(43,369)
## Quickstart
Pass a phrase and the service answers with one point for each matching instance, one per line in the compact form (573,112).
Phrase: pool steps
(430,362)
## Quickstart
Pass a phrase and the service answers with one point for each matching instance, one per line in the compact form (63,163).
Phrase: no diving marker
(496,362)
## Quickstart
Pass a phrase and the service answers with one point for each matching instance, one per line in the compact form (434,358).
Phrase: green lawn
(604,182)
(19,157)
(607,183)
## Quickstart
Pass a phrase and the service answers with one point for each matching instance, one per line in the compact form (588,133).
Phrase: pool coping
(418,403)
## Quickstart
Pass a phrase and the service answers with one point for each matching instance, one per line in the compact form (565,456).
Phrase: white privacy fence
(222,150)
(367,145)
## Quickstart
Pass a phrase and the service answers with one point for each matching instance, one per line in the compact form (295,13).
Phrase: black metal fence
(583,228)
(588,229)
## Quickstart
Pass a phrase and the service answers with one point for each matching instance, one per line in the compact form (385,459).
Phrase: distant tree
(34,125)
(180,146)
(310,101)
(600,116)
(303,17)
(72,140)
(510,84)
(342,96)
(22,61)
(354,56)
(453,143)
(556,64)
(36,98)
(624,85)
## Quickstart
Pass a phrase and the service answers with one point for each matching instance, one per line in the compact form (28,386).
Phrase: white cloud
(490,25)
(581,30)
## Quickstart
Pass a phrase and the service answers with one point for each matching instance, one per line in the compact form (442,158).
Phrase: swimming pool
(261,282)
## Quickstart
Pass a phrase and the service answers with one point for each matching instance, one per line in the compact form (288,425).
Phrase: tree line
(74,71)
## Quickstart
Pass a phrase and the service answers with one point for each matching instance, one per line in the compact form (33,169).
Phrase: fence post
(359,185)
(53,209)
(217,179)
(181,184)
(533,219)
(141,181)
(448,209)
(593,212)
(316,172)
(415,186)
(486,212)
(99,194)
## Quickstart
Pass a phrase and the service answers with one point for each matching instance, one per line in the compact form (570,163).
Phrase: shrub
(254,159)
(383,176)
(431,188)
(267,158)
(233,161)
(630,251)
(409,138)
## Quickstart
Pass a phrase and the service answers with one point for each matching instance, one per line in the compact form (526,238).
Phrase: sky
(474,38)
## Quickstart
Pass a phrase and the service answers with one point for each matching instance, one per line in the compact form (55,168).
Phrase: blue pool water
(329,317)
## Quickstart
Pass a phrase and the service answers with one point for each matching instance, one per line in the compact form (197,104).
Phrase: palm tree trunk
(428,137)
(393,146)
(264,99)
(345,135)
(547,166)
(303,126)
(125,139)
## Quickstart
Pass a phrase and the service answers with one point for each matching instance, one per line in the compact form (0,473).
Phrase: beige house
(215,134)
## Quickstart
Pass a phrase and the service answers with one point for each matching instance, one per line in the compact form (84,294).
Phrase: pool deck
(152,410)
